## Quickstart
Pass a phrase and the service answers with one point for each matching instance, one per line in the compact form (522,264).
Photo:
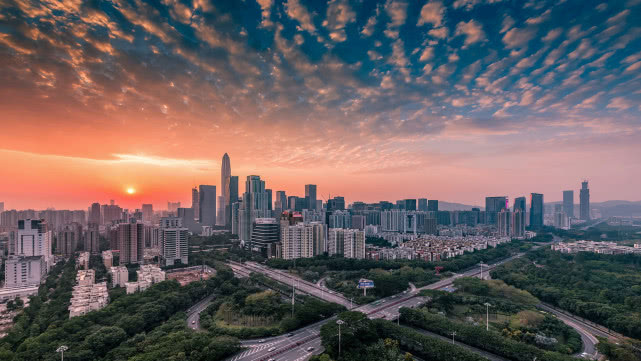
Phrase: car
(271,359)
(310,349)
(290,334)
(193,322)
(261,341)
(272,349)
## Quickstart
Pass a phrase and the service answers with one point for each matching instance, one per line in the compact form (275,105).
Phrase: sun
(131,190)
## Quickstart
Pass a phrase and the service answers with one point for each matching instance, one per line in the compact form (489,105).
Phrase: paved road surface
(193,313)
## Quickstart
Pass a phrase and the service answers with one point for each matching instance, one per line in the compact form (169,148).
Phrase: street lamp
(487,316)
(481,263)
(339,323)
(453,334)
(351,300)
(62,350)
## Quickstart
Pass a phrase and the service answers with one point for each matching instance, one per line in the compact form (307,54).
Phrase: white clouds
(633,67)
(265,6)
(589,103)
(518,37)
(432,13)
(397,11)
(552,35)
(298,12)
(619,103)
(472,30)
(427,54)
(368,29)
(339,14)
(539,19)
(619,17)
(440,33)
(508,22)
(583,51)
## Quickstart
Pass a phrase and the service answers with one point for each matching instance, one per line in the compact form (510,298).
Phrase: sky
(371,100)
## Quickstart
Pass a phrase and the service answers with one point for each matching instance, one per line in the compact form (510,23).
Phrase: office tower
(358,222)
(320,237)
(269,199)
(340,219)
(584,199)
(265,237)
(409,204)
(310,196)
(280,203)
(504,223)
(558,208)
(493,205)
(336,204)
(422,204)
(296,203)
(225,178)
(147,213)
(188,221)
(568,203)
(131,242)
(536,210)
(1,207)
(517,226)
(519,203)
(254,205)
(432,205)
(67,241)
(233,198)
(195,199)
(173,241)
(561,220)
(94,213)
(207,204)
(220,212)
(92,240)
(34,240)
(347,242)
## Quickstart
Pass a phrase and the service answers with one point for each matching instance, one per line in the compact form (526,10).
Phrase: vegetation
(473,335)
(365,339)
(605,289)
(247,310)
(379,242)
(619,351)
(131,327)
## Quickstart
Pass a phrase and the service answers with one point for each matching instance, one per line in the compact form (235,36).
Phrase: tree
(105,339)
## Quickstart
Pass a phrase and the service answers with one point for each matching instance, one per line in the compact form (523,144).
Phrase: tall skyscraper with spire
(584,199)
(225,175)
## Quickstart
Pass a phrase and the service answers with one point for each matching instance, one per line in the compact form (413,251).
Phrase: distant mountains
(607,208)
(447,206)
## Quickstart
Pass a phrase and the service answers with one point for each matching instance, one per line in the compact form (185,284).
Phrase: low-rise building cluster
(147,276)
(83,261)
(595,247)
(436,248)
(87,296)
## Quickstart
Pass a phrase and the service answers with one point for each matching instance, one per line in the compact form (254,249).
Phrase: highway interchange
(303,343)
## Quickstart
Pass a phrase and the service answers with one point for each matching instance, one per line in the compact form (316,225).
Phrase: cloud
(432,13)
(427,54)
(518,37)
(298,12)
(397,11)
(339,14)
(552,35)
(472,30)
(619,103)
(439,32)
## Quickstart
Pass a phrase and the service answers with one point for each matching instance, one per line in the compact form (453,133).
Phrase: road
(294,348)
(193,313)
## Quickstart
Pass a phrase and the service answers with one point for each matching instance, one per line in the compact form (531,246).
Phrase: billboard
(363,283)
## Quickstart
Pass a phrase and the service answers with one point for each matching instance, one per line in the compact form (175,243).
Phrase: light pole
(350,303)
(453,334)
(487,316)
(62,350)
(481,263)
(339,323)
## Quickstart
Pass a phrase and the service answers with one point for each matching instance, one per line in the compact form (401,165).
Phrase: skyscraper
(34,239)
(432,205)
(264,237)
(410,204)
(207,204)
(584,198)
(493,205)
(254,206)
(195,199)
(536,210)
(280,203)
(233,198)
(94,213)
(1,207)
(173,239)
(310,196)
(519,203)
(270,202)
(147,212)
(568,203)
(225,175)
(131,242)
(422,204)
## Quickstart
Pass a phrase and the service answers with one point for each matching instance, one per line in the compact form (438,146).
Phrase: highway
(193,313)
(295,347)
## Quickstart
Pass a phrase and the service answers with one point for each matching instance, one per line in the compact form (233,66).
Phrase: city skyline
(370,100)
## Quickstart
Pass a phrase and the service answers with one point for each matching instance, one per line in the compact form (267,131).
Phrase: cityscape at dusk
(320,180)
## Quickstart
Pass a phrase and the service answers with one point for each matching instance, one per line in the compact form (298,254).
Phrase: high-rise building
(518,224)
(188,221)
(504,223)
(410,204)
(347,242)
(24,271)
(233,198)
(264,237)
(568,203)
(584,199)
(67,240)
(172,207)
(536,210)
(310,196)
(1,207)
(432,205)
(519,203)
(131,241)
(422,204)
(280,203)
(173,240)
(335,204)
(297,241)
(254,205)
(270,203)
(147,212)
(493,205)
(207,203)
(225,178)
(94,213)
(92,240)
(195,199)
(34,239)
